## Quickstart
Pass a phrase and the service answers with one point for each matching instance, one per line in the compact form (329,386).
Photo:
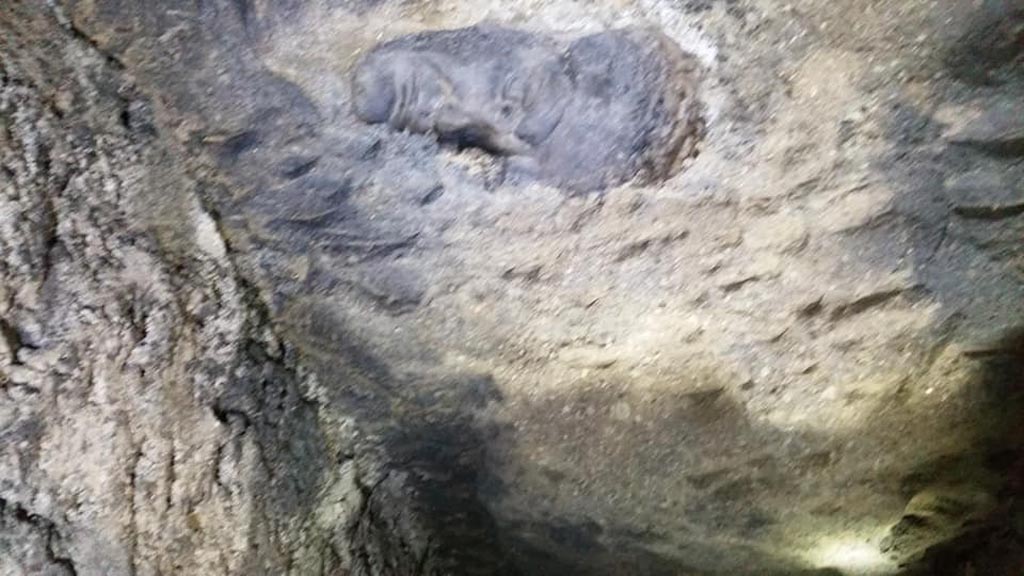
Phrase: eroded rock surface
(597,112)
(243,328)
(151,421)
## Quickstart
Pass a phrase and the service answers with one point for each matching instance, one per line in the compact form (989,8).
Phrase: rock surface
(607,108)
(245,332)
(151,420)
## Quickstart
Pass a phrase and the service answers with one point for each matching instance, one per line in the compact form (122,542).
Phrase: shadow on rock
(957,198)
(429,434)
(991,542)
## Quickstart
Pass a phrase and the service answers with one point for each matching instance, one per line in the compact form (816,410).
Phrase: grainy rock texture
(151,422)
(245,332)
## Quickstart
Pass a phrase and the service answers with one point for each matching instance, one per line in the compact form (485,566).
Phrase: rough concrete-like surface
(151,421)
(800,355)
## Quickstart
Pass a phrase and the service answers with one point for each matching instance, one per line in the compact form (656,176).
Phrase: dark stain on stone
(528,274)
(565,548)
(866,302)
(432,195)
(991,212)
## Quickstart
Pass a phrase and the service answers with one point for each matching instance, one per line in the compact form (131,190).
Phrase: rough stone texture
(344,347)
(605,109)
(151,422)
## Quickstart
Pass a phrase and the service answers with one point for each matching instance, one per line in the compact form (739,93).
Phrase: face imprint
(596,113)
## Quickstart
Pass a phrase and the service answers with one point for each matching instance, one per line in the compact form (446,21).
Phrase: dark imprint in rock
(599,111)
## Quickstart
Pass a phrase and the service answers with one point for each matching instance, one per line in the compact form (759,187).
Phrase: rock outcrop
(151,419)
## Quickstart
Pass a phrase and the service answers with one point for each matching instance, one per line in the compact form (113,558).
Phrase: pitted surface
(377,351)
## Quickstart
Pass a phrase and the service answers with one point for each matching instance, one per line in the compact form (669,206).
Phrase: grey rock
(985,196)
(602,110)
(246,332)
(986,45)
(150,421)
(999,130)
